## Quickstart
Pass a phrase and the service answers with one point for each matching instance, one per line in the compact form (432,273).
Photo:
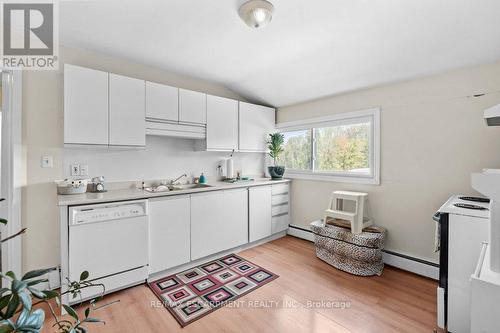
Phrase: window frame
(346,118)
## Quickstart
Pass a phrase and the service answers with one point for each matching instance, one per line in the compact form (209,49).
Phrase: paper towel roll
(229,168)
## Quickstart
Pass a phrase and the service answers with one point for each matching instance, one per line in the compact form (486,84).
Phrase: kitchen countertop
(134,193)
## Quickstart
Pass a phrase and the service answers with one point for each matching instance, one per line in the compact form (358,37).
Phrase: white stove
(467,205)
(464,225)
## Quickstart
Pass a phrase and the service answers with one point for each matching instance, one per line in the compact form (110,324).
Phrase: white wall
(43,135)
(163,158)
(432,137)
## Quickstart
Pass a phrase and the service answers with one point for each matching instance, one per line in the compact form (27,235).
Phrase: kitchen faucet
(172,182)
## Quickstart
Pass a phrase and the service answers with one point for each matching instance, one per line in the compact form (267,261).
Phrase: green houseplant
(275,146)
(20,301)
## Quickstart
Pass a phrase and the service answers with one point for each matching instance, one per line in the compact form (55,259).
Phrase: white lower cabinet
(169,232)
(189,227)
(259,212)
(219,221)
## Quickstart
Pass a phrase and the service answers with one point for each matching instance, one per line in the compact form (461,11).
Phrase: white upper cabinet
(192,107)
(126,111)
(85,106)
(222,123)
(256,122)
(162,102)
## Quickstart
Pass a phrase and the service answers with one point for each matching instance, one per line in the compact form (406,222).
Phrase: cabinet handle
(477,271)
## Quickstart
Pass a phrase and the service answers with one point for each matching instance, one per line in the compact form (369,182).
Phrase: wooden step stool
(358,219)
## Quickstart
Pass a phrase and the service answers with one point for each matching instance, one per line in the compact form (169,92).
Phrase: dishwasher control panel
(106,212)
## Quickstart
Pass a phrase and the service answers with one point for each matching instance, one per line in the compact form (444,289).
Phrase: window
(344,147)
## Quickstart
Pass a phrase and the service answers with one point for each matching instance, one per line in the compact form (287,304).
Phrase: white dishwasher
(110,241)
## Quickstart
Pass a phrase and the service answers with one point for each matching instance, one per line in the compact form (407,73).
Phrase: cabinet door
(259,212)
(235,218)
(219,221)
(256,122)
(169,232)
(162,102)
(85,106)
(126,111)
(207,223)
(192,107)
(222,123)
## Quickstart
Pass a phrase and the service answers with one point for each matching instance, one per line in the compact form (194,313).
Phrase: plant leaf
(35,282)
(3,221)
(25,300)
(36,293)
(84,275)
(36,273)
(70,311)
(18,286)
(11,274)
(49,294)
(4,301)
(12,306)
(30,321)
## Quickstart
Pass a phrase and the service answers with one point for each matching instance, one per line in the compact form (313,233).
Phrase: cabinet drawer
(279,199)
(280,223)
(280,189)
(280,209)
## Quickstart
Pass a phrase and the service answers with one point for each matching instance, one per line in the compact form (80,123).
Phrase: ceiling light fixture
(256,13)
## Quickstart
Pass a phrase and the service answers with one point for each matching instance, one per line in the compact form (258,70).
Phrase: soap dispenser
(203,179)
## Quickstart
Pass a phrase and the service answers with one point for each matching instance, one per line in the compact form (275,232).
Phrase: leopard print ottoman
(358,254)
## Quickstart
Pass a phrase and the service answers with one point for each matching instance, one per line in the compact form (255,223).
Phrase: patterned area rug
(194,293)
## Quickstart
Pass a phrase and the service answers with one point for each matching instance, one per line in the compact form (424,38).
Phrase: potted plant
(275,145)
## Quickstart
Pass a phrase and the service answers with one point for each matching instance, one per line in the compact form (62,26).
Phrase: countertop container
(72,186)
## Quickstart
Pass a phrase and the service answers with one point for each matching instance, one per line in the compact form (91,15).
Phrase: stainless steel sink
(157,189)
(188,187)
(167,188)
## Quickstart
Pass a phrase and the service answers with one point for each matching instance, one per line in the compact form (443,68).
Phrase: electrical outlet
(84,170)
(75,170)
(47,161)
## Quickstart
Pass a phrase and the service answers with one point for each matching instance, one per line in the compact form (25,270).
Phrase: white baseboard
(391,259)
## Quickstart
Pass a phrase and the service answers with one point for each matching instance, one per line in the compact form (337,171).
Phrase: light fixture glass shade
(256,13)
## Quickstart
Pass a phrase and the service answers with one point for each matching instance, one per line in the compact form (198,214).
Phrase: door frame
(13,171)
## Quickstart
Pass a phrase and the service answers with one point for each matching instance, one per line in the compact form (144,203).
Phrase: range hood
(492,115)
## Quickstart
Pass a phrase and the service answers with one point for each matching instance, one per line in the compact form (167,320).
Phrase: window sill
(333,178)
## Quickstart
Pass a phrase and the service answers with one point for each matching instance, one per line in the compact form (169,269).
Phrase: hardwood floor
(397,301)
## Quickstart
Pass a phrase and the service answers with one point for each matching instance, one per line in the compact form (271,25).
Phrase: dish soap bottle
(203,179)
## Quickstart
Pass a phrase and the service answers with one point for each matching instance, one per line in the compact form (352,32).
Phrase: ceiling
(311,49)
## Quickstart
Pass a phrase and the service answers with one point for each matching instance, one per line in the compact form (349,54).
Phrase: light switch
(47,161)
